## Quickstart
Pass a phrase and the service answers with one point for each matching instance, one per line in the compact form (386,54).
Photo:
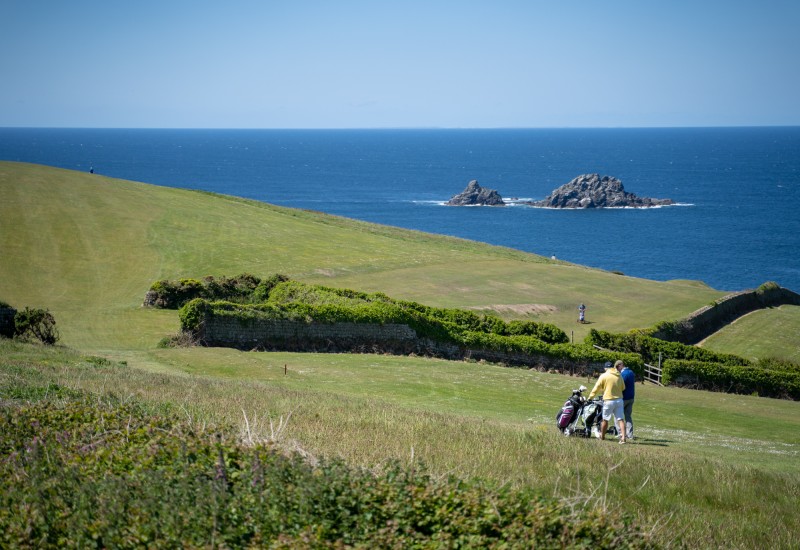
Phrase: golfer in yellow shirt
(612,385)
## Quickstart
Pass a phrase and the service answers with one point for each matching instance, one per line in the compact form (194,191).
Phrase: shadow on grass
(653,442)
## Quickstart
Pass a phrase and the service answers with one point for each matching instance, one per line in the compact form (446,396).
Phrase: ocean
(736,223)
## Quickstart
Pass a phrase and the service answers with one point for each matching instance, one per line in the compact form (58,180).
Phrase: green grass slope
(763,333)
(87,247)
(710,470)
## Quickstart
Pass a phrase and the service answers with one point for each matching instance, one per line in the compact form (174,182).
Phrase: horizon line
(365,128)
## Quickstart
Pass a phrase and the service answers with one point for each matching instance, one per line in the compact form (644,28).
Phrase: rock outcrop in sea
(595,191)
(475,195)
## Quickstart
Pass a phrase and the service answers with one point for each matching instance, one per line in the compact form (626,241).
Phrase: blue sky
(375,64)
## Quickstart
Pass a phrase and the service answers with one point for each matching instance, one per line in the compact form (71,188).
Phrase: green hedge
(577,353)
(296,297)
(782,365)
(742,379)
(243,288)
(637,341)
(458,327)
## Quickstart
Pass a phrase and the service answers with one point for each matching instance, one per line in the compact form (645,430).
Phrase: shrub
(39,324)
(92,475)
(742,379)
(191,315)
(244,288)
(637,341)
(262,291)
(543,331)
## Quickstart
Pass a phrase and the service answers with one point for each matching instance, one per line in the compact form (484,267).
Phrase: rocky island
(595,191)
(475,195)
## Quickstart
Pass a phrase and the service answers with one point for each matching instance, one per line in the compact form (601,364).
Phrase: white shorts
(615,408)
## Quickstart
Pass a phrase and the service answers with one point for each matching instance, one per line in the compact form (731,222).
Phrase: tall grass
(703,484)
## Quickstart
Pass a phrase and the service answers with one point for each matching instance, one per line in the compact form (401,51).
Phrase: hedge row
(278,291)
(782,365)
(741,379)
(575,353)
(458,327)
(649,348)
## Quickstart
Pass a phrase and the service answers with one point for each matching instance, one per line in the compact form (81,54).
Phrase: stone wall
(706,321)
(7,321)
(396,339)
(293,335)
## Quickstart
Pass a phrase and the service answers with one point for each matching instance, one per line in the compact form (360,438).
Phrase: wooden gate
(652,374)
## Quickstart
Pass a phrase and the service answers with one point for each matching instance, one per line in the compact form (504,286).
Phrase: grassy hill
(712,469)
(88,247)
(763,333)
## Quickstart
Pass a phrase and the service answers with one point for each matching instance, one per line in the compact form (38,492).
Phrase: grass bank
(712,469)
(709,469)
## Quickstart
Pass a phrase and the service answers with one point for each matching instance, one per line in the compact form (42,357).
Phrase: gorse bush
(36,324)
(263,289)
(89,474)
(244,288)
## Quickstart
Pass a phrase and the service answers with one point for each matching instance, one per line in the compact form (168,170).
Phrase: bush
(741,379)
(92,475)
(244,288)
(637,341)
(38,324)
(191,315)
(264,288)
(543,331)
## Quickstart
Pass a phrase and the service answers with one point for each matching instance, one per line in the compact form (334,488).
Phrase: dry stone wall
(294,335)
(397,339)
(706,321)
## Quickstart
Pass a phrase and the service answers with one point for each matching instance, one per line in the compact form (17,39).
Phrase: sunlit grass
(700,458)
(718,468)
(763,333)
(88,248)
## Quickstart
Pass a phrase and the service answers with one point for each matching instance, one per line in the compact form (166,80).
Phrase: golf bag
(580,416)
(569,414)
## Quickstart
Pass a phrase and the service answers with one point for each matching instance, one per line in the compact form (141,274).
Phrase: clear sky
(409,63)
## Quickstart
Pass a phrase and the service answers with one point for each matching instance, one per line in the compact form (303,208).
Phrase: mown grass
(88,248)
(763,333)
(713,470)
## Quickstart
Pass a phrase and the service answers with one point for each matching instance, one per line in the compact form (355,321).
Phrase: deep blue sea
(737,224)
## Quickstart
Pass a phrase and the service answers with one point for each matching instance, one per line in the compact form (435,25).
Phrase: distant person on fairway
(629,378)
(581,313)
(612,385)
